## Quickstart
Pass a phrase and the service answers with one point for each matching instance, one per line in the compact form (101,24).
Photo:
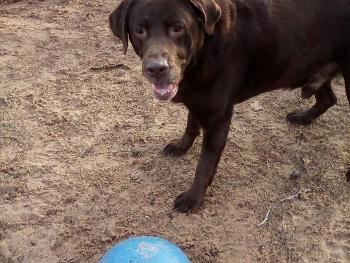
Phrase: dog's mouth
(165,91)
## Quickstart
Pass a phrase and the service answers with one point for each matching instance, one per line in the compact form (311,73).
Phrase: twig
(109,67)
(297,195)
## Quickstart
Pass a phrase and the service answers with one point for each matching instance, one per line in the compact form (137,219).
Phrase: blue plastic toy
(145,249)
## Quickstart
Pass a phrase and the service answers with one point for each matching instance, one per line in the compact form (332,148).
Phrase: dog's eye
(177,29)
(140,32)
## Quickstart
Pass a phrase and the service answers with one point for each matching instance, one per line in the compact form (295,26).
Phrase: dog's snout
(156,67)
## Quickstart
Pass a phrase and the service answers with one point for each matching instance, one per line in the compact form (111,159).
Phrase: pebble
(256,106)
(3,103)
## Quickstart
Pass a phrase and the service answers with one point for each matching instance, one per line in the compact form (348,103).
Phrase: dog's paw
(176,147)
(300,118)
(189,201)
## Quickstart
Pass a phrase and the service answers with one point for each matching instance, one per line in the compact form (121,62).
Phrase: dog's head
(165,34)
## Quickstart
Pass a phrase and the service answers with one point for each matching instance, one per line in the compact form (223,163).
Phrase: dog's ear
(118,22)
(210,11)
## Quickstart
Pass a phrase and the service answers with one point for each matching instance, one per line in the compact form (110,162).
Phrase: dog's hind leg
(180,146)
(325,98)
(319,79)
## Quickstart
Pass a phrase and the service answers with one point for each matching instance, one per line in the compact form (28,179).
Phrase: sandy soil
(81,168)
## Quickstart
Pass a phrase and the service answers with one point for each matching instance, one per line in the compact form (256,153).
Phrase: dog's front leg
(214,140)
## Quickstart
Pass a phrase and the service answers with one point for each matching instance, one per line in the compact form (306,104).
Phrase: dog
(213,54)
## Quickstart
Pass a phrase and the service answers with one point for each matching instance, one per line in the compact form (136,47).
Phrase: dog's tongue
(164,91)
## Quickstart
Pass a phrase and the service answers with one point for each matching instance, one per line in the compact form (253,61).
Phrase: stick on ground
(273,206)
(110,67)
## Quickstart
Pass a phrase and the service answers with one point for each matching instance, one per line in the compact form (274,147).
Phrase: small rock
(3,103)
(54,118)
(4,251)
(256,106)
(106,239)
(296,174)
(306,161)
(136,179)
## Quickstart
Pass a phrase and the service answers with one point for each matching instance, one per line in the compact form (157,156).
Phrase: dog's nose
(156,67)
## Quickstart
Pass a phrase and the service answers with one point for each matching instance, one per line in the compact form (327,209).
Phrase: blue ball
(145,249)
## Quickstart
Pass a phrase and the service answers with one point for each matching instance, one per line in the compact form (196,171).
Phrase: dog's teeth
(162,92)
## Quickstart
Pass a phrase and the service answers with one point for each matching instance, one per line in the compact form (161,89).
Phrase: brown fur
(230,51)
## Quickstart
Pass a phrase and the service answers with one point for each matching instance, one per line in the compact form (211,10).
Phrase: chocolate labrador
(212,54)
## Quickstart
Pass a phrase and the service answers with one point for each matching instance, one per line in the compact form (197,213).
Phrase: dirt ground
(81,165)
